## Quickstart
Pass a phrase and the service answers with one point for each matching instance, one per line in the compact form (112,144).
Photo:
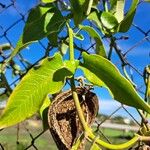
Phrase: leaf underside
(29,94)
(120,87)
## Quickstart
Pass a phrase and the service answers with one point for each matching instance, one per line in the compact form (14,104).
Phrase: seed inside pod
(64,123)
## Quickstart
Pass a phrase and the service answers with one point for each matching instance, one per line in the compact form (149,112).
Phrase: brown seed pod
(64,123)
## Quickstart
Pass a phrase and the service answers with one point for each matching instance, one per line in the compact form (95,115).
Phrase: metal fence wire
(133,49)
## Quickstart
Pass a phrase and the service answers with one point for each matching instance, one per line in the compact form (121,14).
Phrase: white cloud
(108,106)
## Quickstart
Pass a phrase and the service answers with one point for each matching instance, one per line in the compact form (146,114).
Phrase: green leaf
(50,22)
(37,12)
(71,65)
(127,21)
(42,21)
(100,50)
(108,20)
(44,112)
(113,4)
(121,88)
(68,69)
(91,77)
(63,48)
(53,39)
(94,16)
(79,8)
(95,2)
(28,96)
(48,1)
(77,11)
(119,14)
(60,73)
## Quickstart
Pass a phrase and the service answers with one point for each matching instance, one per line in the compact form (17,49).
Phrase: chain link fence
(131,52)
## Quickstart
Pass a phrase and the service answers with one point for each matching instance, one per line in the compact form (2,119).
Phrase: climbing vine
(51,19)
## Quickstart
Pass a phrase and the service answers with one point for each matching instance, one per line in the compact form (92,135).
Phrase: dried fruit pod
(64,123)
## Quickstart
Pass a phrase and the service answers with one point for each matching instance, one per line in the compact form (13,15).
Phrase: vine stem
(84,124)
(88,130)
(71,48)
(73,88)
(78,107)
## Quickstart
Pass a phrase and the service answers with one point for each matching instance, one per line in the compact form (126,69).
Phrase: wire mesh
(13,16)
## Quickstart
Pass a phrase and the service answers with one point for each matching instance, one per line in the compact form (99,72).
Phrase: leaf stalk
(71,48)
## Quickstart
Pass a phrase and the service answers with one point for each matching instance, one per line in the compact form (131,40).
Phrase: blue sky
(139,56)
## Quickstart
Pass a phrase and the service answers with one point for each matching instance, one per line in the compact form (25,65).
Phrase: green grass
(116,133)
(8,138)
